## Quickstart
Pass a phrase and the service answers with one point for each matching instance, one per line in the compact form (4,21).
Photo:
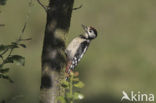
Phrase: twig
(18,40)
(44,7)
(3,52)
(78,7)
(20,37)
(10,53)
(26,39)
(71,86)
(24,27)
(1,58)
(25,24)
(4,60)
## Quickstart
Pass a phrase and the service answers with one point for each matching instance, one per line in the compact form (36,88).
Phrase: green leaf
(61,99)
(3,47)
(65,84)
(5,76)
(13,45)
(23,45)
(69,96)
(6,70)
(79,84)
(76,79)
(19,60)
(78,96)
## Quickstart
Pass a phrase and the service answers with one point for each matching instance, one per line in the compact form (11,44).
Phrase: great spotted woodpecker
(78,46)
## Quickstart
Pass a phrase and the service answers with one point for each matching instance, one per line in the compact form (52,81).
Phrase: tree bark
(53,55)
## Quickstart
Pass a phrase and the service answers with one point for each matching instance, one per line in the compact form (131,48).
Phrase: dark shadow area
(46,81)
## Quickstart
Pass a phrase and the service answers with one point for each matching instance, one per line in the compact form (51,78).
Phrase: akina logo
(137,96)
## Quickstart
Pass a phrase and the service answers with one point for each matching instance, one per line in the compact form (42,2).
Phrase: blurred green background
(123,57)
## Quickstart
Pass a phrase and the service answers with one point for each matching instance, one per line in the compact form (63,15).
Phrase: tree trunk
(53,55)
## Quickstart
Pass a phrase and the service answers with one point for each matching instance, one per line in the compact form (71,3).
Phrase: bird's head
(90,32)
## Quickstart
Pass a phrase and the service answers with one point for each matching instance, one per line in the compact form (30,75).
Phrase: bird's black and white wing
(78,55)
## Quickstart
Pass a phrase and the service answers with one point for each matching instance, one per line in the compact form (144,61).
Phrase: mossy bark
(53,55)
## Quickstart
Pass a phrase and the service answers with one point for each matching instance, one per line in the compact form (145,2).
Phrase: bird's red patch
(68,66)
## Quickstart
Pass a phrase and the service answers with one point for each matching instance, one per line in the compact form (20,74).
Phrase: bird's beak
(85,28)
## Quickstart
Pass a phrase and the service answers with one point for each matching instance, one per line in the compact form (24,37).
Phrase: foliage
(6,55)
(8,58)
(70,84)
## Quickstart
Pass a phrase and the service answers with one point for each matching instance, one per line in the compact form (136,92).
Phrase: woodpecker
(78,46)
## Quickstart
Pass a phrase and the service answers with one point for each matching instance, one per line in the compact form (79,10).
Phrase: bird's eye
(90,31)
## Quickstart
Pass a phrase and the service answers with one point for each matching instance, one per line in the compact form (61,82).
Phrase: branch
(53,55)
(12,48)
(78,7)
(42,5)
(4,52)
(26,39)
